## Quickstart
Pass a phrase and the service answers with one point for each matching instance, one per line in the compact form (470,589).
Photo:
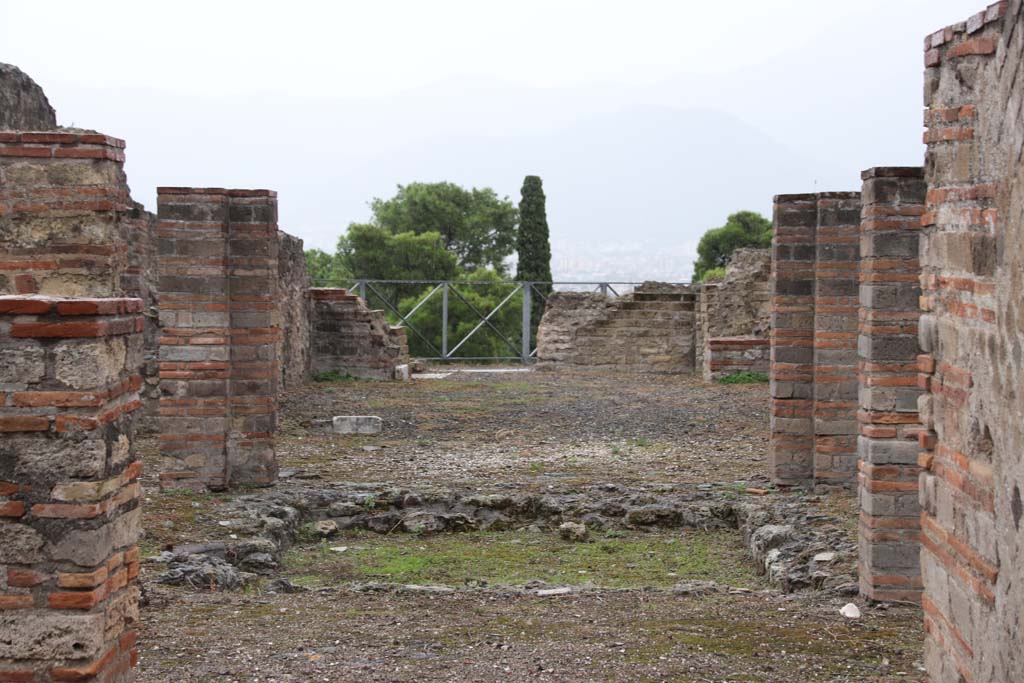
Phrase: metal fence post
(527,301)
(604,289)
(362,290)
(444,320)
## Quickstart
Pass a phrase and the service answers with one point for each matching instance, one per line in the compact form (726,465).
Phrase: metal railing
(526,293)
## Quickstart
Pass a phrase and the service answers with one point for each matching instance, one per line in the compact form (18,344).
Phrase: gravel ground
(516,431)
(530,430)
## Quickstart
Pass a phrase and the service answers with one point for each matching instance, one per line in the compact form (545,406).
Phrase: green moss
(517,558)
(744,378)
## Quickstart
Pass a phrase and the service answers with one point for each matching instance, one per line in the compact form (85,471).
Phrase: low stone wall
(737,306)
(729,355)
(69,499)
(649,330)
(350,338)
(294,311)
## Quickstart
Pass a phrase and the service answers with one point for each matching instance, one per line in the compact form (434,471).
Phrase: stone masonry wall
(893,202)
(69,496)
(219,335)
(737,306)
(139,281)
(815,254)
(350,338)
(971,332)
(730,355)
(295,312)
(649,330)
(62,197)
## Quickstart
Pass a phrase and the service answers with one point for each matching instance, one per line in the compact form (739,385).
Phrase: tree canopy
(741,229)
(475,225)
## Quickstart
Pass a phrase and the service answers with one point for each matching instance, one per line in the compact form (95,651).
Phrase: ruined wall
(737,306)
(23,104)
(139,280)
(219,336)
(295,311)
(649,330)
(69,515)
(350,338)
(815,253)
(730,355)
(892,205)
(972,334)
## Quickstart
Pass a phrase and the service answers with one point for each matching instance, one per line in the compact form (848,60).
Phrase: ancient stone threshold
(793,544)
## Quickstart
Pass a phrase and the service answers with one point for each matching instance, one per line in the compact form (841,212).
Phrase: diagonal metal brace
(403,318)
(486,320)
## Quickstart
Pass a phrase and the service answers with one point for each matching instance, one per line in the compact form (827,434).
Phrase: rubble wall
(649,330)
(295,312)
(971,332)
(737,306)
(349,338)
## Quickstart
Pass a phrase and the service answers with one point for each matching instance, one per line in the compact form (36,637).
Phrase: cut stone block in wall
(649,330)
(69,495)
(815,253)
(218,260)
(62,196)
(893,202)
(970,330)
(351,339)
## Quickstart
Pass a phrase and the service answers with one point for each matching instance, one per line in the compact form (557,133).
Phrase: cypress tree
(533,244)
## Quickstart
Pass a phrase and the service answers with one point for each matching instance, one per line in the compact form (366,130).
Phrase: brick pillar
(61,199)
(792,338)
(218,360)
(69,496)
(893,202)
(837,253)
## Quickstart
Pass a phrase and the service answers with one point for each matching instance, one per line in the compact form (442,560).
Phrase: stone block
(357,424)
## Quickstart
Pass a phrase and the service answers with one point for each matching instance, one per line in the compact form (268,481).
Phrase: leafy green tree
(534,244)
(326,270)
(741,229)
(475,225)
(372,252)
(485,343)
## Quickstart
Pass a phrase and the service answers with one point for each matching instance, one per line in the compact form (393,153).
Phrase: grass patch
(515,558)
(744,378)
(332,376)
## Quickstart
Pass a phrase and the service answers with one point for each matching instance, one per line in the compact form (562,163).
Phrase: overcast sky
(648,121)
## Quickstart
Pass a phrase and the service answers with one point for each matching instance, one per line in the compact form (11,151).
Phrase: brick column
(792,338)
(61,199)
(893,202)
(218,358)
(69,499)
(835,338)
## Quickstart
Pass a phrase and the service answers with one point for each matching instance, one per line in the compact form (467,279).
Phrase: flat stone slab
(357,424)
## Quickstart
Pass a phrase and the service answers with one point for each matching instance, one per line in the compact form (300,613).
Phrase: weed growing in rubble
(743,378)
